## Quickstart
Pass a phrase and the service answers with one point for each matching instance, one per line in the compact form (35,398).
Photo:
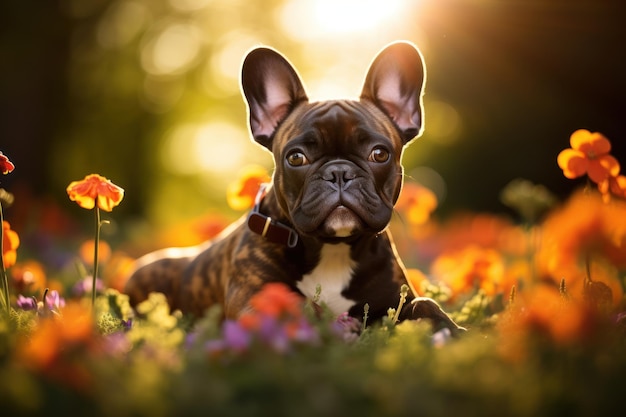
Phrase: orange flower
(584,233)
(589,155)
(276,300)
(52,348)
(417,202)
(613,186)
(472,268)
(416,279)
(6,166)
(241,193)
(10,242)
(29,277)
(542,314)
(95,188)
(86,251)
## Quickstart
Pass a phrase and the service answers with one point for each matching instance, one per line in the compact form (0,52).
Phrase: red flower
(95,188)
(589,155)
(6,166)
(277,300)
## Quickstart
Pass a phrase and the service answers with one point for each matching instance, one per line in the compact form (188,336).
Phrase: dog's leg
(427,308)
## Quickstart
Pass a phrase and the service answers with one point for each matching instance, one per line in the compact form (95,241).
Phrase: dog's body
(323,222)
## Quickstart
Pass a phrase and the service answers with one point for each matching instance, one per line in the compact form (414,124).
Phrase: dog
(322,224)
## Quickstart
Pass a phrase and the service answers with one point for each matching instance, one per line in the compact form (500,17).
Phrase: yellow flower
(95,188)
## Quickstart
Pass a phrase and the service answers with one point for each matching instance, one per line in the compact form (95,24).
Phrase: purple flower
(127,324)
(305,333)
(54,301)
(85,285)
(274,334)
(26,303)
(236,337)
(347,327)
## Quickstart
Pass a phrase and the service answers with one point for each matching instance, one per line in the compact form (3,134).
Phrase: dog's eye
(296,159)
(379,155)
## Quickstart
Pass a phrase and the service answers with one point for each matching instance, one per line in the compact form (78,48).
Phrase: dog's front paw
(427,308)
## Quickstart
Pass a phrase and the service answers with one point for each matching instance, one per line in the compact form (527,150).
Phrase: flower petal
(572,162)
(600,144)
(95,188)
(6,166)
(579,138)
(601,169)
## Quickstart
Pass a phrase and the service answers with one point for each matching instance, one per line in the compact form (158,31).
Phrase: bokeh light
(217,148)
(171,49)
(121,23)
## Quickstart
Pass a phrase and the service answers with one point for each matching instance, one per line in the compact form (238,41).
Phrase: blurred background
(146,93)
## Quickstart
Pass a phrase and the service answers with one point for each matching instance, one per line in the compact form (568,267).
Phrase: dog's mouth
(342,222)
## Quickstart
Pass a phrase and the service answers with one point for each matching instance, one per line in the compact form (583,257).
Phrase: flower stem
(95,257)
(5,280)
(404,290)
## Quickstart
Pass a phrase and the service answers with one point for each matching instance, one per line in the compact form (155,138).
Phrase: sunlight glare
(308,19)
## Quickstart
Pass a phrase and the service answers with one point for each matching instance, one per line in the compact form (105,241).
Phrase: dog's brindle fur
(331,185)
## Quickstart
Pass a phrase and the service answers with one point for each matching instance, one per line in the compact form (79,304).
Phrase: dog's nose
(339,174)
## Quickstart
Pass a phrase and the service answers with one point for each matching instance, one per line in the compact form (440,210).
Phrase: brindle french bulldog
(324,219)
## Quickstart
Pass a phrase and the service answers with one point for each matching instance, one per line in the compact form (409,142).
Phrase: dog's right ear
(272,89)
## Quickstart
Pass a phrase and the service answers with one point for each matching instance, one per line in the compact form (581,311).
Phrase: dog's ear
(395,83)
(272,89)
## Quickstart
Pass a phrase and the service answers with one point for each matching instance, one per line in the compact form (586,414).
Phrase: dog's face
(337,163)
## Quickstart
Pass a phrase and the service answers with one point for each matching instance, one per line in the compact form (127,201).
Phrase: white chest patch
(332,274)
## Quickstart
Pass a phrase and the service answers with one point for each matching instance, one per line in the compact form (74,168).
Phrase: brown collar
(270,229)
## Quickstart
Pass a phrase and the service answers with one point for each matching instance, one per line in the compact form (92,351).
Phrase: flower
(29,276)
(10,243)
(56,342)
(275,320)
(613,186)
(581,236)
(86,251)
(52,302)
(6,166)
(589,155)
(276,300)
(27,303)
(543,314)
(417,202)
(241,193)
(470,269)
(95,188)
(235,336)
(85,286)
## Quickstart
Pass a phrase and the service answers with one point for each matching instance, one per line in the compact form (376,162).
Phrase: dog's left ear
(272,89)
(395,83)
